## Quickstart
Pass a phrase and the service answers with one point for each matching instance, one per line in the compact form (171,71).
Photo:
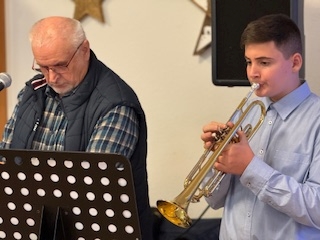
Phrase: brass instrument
(176,211)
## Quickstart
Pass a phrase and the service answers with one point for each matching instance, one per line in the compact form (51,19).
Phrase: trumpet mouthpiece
(255,86)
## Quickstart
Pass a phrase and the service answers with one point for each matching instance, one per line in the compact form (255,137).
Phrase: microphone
(5,81)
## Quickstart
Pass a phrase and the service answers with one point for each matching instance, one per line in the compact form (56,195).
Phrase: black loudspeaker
(229,19)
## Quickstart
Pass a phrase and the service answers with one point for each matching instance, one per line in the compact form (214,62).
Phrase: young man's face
(267,66)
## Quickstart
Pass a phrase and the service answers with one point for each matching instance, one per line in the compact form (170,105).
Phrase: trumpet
(176,211)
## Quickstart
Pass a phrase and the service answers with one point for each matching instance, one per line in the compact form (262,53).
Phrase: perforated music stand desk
(66,196)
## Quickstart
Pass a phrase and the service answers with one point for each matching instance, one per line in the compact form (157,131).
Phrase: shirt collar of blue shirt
(289,102)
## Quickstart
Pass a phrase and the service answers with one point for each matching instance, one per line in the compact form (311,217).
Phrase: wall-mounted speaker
(229,19)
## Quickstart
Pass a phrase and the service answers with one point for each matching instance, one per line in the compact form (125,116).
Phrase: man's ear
(296,62)
(86,49)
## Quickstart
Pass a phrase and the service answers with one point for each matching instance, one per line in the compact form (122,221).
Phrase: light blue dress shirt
(278,194)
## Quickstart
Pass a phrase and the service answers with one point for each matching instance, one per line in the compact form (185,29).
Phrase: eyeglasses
(57,69)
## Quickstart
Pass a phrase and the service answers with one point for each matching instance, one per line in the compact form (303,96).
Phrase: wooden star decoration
(204,38)
(88,7)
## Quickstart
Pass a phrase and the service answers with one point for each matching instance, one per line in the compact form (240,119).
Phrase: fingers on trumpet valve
(220,132)
(213,132)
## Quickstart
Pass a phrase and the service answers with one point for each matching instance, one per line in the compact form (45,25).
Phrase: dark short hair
(279,28)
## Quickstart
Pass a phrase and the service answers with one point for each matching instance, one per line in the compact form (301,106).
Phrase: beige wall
(150,44)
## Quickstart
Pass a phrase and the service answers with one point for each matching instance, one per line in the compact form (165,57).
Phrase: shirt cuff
(256,175)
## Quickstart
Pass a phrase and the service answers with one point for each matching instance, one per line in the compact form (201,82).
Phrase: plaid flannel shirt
(116,132)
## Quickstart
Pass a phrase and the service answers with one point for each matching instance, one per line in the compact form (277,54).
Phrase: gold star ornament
(92,8)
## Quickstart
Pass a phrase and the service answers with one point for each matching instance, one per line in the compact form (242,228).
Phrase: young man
(76,103)
(272,186)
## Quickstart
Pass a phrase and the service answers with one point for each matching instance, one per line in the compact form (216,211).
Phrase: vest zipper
(36,125)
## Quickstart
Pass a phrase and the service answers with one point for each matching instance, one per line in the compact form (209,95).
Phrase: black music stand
(66,196)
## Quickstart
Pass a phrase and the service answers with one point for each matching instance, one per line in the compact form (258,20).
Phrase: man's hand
(235,157)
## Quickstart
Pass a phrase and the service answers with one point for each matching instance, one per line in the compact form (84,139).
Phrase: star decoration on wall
(204,38)
(92,8)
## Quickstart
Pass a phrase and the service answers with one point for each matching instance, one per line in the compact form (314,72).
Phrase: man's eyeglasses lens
(56,69)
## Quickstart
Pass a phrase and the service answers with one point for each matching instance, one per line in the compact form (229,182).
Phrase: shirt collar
(291,101)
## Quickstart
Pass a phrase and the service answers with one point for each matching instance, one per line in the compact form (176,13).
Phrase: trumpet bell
(174,213)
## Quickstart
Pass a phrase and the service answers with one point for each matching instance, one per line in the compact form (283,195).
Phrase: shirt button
(261,151)
(270,122)
(248,214)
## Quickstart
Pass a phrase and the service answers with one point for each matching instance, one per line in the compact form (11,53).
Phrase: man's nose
(253,71)
(52,76)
